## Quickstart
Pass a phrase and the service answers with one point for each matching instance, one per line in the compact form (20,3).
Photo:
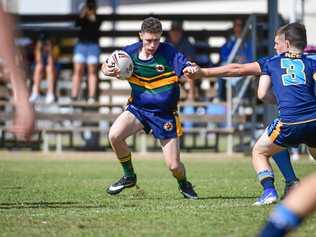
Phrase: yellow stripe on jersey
(167,74)
(178,126)
(276,131)
(154,84)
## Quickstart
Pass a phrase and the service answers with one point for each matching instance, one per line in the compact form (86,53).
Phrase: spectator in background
(244,54)
(202,57)
(176,36)
(87,50)
(311,49)
(45,56)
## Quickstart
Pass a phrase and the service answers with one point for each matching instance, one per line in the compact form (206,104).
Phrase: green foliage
(45,197)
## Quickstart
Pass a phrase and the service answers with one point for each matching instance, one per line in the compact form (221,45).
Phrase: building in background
(289,9)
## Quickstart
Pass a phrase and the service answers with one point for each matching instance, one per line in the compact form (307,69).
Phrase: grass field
(64,195)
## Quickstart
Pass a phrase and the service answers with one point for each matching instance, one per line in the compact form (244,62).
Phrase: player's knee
(174,166)
(255,152)
(258,153)
(113,136)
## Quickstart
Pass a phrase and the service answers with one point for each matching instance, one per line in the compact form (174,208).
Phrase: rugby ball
(123,61)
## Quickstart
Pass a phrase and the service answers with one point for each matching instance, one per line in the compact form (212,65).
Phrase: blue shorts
(291,135)
(161,125)
(86,53)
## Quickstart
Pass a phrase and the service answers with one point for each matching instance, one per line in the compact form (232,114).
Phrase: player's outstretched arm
(228,70)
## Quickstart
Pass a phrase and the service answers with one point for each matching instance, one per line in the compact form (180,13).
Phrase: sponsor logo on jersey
(168,126)
(160,68)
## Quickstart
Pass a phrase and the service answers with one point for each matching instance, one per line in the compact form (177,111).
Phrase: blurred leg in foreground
(288,215)
(23,122)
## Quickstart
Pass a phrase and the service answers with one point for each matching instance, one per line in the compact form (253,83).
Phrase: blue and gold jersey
(293,83)
(155,82)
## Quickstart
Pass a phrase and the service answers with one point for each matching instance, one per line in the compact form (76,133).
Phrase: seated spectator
(45,55)
(26,46)
(244,54)
(176,36)
(87,50)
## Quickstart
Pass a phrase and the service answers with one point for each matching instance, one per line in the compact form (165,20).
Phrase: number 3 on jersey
(295,74)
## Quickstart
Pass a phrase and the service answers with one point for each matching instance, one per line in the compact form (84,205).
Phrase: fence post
(143,143)
(45,142)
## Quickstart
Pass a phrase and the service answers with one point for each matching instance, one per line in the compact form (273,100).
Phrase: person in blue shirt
(282,158)
(243,55)
(152,106)
(177,38)
(292,77)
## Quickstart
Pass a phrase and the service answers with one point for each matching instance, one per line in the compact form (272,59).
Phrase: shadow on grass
(227,198)
(43,205)
(200,198)
(13,187)
(56,205)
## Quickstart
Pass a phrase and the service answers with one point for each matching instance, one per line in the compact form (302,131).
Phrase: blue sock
(272,230)
(280,222)
(266,178)
(267,183)
(283,161)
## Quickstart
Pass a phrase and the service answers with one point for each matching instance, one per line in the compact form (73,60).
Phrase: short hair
(151,25)
(281,30)
(176,25)
(91,4)
(295,33)
(239,21)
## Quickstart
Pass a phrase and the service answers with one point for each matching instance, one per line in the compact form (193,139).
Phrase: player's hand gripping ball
(123,62)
